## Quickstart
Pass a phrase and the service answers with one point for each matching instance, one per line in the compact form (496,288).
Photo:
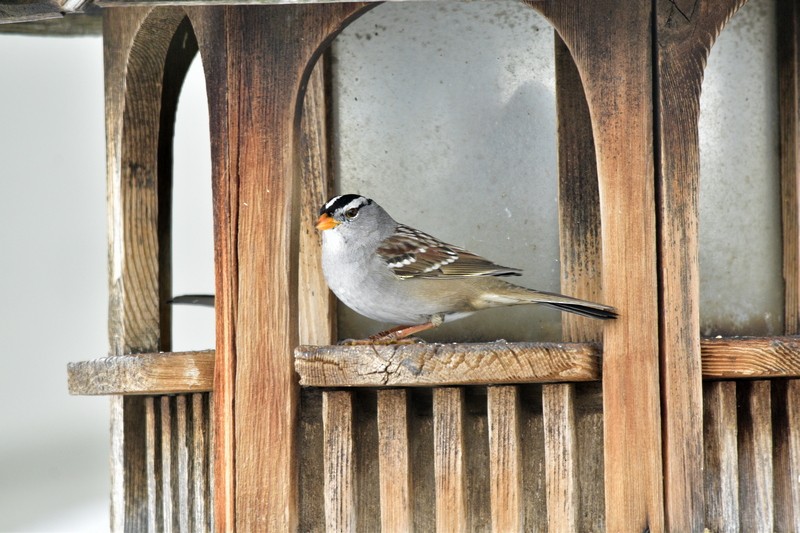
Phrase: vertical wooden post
(786,395)
(144,67)
(684,42)
(611,45)
(256,61)
(579,233)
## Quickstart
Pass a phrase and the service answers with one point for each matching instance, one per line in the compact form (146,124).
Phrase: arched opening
(192,216)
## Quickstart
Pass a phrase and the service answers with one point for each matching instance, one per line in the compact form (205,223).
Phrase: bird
(391,272)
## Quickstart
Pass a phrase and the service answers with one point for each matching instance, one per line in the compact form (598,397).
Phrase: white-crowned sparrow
(393,273)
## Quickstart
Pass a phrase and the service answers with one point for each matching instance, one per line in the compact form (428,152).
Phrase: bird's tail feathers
(516,295)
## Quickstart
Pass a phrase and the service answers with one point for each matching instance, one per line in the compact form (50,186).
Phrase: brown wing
(410,253)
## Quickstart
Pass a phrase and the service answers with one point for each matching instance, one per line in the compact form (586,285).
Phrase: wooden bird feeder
(633,425)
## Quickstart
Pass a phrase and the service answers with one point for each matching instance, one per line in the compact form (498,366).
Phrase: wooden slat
(721,457)
(153,373)
(786,395)
(684,45)
(316,305)
(445,364)
(755,456)
(181,451)
(394,456)
(256,61)
(505,459)
(448,459)
(581,269)
(758,357)
(561,457)
(786,454)
(339,453)
(153,489)
(167,487)
(199,493)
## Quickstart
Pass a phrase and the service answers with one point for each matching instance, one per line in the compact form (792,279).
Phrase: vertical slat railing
(720,449)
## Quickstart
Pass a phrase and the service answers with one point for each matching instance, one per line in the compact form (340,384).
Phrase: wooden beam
(445,364)
(685,32)
(786,395)
(762,357)
(425,365)
(581,270)
(615,61)
(153,373)
(256,63)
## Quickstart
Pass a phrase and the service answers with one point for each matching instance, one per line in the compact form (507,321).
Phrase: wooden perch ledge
(419,365)
(426,365)
(151,373)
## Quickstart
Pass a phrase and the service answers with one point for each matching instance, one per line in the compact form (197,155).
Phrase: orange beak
(326,221)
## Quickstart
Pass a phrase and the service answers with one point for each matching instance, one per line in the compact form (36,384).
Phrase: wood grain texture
(720,457)
(340,466)
(505,459)
(152,373)
(786,416)
(581,270)
(154,515)
(756,357)
(615,61)
(256,65)
(316,305)
(756,506)
(448,459)
(394,455)
(199,458)
(445,364)
(140,102)
(786,453)
(168,496)
(685,32)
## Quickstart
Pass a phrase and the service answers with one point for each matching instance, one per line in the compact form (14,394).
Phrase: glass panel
(445,115)
(192,216)
(741,284)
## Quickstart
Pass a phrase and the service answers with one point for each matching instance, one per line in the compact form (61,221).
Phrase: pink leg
(399,334)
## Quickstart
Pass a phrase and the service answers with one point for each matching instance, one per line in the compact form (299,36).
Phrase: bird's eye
(351,213)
